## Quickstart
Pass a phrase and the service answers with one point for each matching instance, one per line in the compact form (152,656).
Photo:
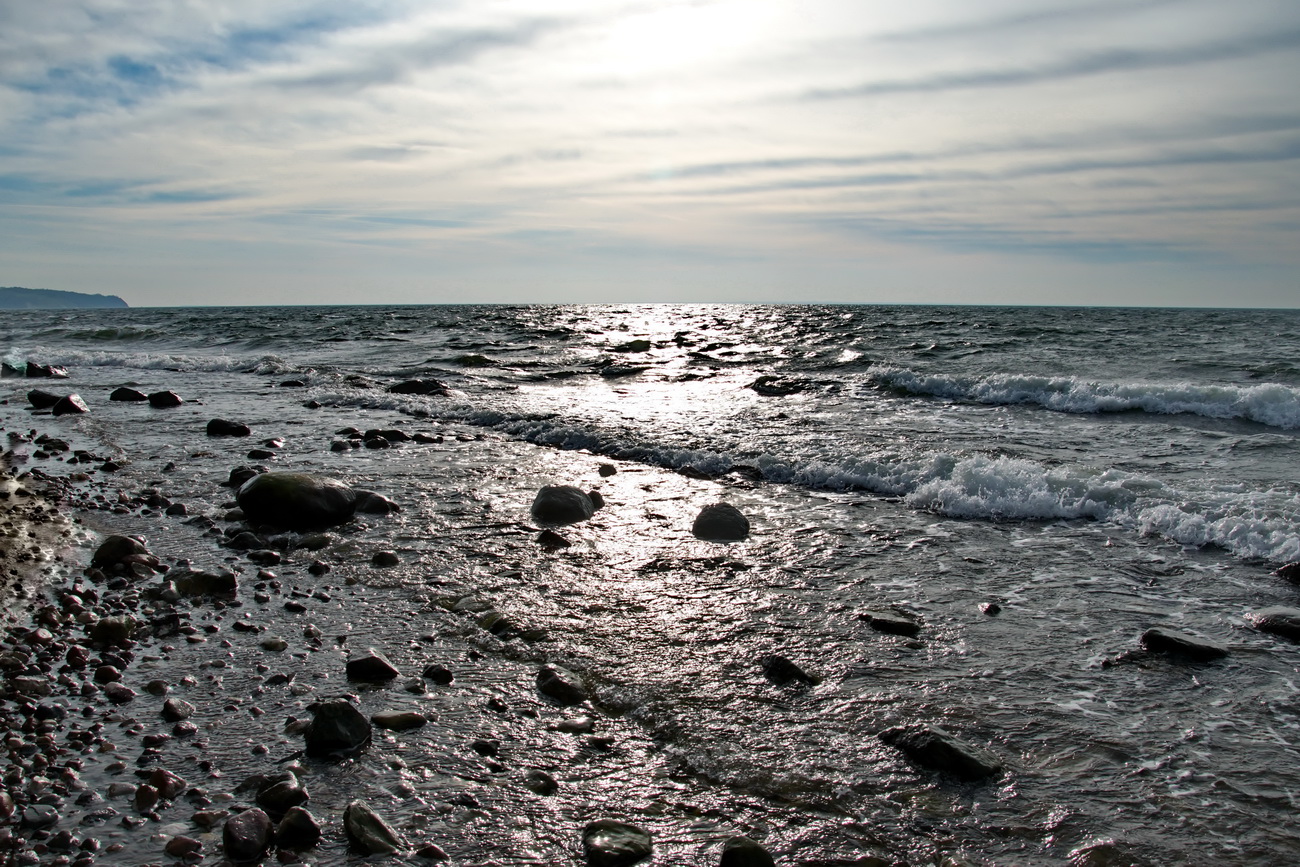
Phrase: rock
(118,693)
(933,748)
(297,501)
(167,784)
(247,835)
(220,427)
(1290,572)
(113,631)
(541,783)
(720,522)
(336,727)
(72,404)
(274,644)
(371,667)
(164,399)
(8,371)
(560,684)
(241,474)
(552,541)
(775,386)
(639,345)
(385,558)
(40,816)
(368,832)
(1277,621)
(45,371)
(370,503)
(297,830)
(265,557)
(744,852)
(562,504)
(421,386)
(260,455)
(278,797)
(607,470)
(1162,640)
(781,671)
(608,843)
(431,852)
(196,583)
(399,720)
(175,710)
(127,394)
(42,399)
(439,674)
(183,847)
(887,621)
(116,549)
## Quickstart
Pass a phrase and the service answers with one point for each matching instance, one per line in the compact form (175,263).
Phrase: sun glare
(677,36)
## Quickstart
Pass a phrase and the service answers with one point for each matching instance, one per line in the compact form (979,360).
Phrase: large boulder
(1277,621)
(933,748)
(40,399)
(336,727)
(562,504)
(296,501)
(1159,639)
(720,522)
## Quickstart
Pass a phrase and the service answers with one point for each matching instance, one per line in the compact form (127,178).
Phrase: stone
(936,749)
(893,624)
(560,684)
(175,710)
(116,549)
(40,816)
(278,797)
(399,720)
(609,843)
(220,427)
(167,784)
(431,852)
(370,503)
(247,835)
(47,371)
(113,631)
(71,404)
(1161,640)
(782,671)
(336,727)
(1278,620)
(371,667)
(562,504)
(183,847)
(128,394)
(297,830)
(296,501)
(1290,572)
(439,674)
(775,386)
(196,583)
(165,399)
(540,783)
(42,399)
(385,558)
(744,852)
(241,474)
(606,470)
(421,386)
(118,693)
(369,832)
(720,522)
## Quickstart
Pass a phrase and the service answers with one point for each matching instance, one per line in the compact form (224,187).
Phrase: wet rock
(165,399)
(421,386)
(720,522)
(775,386)
(552,541)
(782,671)
(46,371)
(197,583)
(371,503)
(368,832)
(297,830)
(936,749)
(71,404)
(891,623)
(297,501)
(431,852)
(220,427)
(1162,640)
(40,816)
(744,852)
(183,847)
(175,710)
(385,558)
(118,693)
(541,783)
(145,798)
(562,504)
(439,674)
(278,797)
(336,727)
(371,667)
(399,720)
(168,785)
(991,608)
(42,399)
(606,470)
(117,549)
(609,843)
(113,631)
(560,684)
(1290,572)
(1277,621)
(128,394)
(241,474)
(247,835)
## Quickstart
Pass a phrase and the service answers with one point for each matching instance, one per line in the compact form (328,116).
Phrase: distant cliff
(17,298)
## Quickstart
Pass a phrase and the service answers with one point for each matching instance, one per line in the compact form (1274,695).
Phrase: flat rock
(40,399)
(887,621)
(399,720)
(421,386)
(720,522)
(220,427)
(369,832)
(610,843)
(128,394)
(197,583)
(936,749)
(562,504)
(1277,621)
(1162,640)
(781,671)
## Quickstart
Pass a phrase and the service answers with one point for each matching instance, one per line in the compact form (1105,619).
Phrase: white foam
(264,364)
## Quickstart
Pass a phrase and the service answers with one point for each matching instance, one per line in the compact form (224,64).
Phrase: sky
(179,152)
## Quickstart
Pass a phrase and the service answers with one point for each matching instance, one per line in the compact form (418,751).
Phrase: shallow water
(863,495)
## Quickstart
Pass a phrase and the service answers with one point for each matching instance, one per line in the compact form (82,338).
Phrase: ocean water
(1094,472)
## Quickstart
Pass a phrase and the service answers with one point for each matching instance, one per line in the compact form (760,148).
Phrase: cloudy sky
(368,151)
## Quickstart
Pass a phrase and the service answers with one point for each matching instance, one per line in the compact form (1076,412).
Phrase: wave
(71,359)
(1272,404)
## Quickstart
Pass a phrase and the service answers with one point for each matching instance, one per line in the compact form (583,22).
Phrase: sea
(1034,487)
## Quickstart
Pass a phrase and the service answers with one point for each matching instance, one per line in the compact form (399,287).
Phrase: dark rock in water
(933,748)
(297,830)
(8,371)
(40,816)
(116,549)
(439,674)
(640,345)
(113,631)
(296,501)
(1290,572)
(128,394)
(183,848)
(371,667)
(894,624)
(541,783)
(720,522)
(165,399)
(71,404)
(220,427)
(399,720)
(198,583)
(562,504)
(781,671)
(385,559)
(608,843)
(175,710)
(241,474)
(278,797)
(168,785)
(378,442)
(45,371)
(991,608)
(561,684)
(1277,621)
(607,470)
(552,540)
(370,503)
(617,371)
(336,727)
(421,386)
(247,836)
(775,386)
(42,399)
(1163,640)
(368,832)
(744,852)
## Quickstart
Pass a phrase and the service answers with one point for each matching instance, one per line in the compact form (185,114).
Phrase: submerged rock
(744,852)
(297,501)
(935,749)
(368,832)
(1277,621)
(1290,572)
(247,835)
(720,522)
(781,671)
(336,727)
(561,684)
(887,621)
(562,504)
(45,371)
(399,720)
(370,503)
(609,843)
(421,386)
(1162,640)
(128,394)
